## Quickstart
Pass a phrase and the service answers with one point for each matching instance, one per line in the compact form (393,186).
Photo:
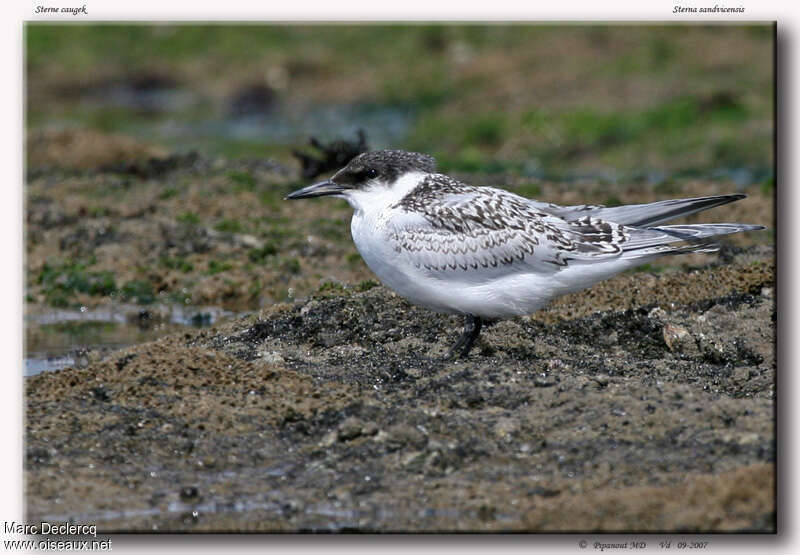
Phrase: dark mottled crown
(386,165)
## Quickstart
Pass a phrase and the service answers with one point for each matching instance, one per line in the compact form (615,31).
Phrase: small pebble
(675,337)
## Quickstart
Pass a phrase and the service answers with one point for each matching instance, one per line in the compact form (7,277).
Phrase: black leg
(472,329)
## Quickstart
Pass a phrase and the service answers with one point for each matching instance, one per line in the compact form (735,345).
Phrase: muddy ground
(643,404)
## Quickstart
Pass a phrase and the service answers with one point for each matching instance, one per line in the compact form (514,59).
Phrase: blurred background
(551,101)
(158,155)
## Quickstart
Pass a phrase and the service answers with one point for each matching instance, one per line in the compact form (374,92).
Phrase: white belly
(484,294)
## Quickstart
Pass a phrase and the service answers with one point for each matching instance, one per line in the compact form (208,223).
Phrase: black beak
(317,190)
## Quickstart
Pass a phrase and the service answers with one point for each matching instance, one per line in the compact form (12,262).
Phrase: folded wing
(481,229)
(475,230)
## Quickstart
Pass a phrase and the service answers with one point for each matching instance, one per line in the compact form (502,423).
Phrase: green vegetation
(98,212)
(168,193)
(557,138)
(138,291)
(275,229)
(669,187)
(180,296)
(528,190)
(483,98)
(271,199)
(366,285)
(260,255)
(486,130)
(230,226)
(177,263)
(188,218)
(334,229)
(62,281)
(216,266)
(234,148)
(648,268)
(111,120)
(768,186)
(353,258)
(291,265)
(244,180)
(329,289)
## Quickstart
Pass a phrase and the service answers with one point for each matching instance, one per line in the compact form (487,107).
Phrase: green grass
(262,254)
(335,229)
(329,289)
(647,268)
(353,259)
(168,192)
(669,187)
(230,226)
(111,120)
(366,285)
(217,267)
(138,291)
(593,128)
(98,212)
(62,281)
(277,230)
(243,180)
(177,263)
(689,107)
(528,190)
(291,265)
(84,45)
(246,149)
(768,186)
(188,218)
(179,296)
(688,132)
(271,199)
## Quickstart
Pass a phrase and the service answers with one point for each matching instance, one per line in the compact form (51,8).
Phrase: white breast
(483,293)
(490,298)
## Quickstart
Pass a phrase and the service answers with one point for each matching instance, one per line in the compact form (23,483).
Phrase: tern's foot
(472,329)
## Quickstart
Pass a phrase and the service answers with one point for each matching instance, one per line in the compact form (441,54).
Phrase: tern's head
(378,172)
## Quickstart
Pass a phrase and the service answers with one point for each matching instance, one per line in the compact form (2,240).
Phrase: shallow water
(384,125)
(184,120)
(59,338)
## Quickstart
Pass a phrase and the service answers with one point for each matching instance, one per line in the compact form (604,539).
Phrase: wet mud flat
(643,404)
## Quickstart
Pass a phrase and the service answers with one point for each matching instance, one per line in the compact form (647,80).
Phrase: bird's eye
(371,173)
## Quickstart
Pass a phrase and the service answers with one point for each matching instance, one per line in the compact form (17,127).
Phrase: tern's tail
(653,213)
(679,239)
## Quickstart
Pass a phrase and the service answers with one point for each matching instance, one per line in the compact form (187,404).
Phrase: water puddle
(384,125)
(186,120)
(322,516)
(59,338)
